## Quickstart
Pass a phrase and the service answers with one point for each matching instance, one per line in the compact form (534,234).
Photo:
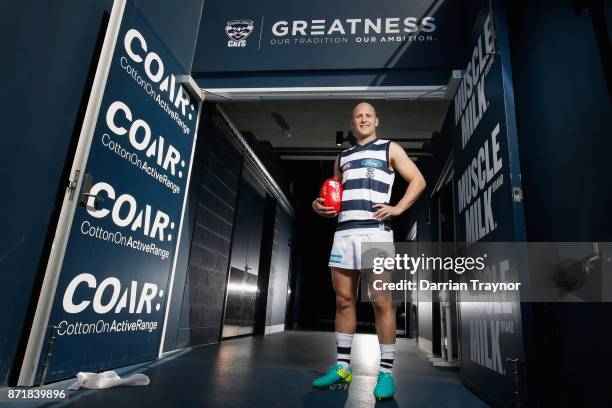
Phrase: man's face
(364,120)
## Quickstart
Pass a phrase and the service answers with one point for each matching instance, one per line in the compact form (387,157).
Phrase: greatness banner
(319,34)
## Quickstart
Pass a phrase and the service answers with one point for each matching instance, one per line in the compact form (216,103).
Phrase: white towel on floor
(107,379)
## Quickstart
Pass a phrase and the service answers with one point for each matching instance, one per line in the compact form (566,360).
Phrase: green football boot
(336,378)
(385,388)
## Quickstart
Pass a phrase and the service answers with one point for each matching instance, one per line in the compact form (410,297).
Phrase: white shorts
(346,250)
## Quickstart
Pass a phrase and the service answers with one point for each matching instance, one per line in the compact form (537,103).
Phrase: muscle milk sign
(479,121)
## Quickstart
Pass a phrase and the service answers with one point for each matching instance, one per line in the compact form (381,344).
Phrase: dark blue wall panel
(177,24)
(564,119)
(48,47)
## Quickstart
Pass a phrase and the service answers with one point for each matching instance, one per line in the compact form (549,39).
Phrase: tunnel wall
(199,296)
(204,285)
(563,117)
(425,214)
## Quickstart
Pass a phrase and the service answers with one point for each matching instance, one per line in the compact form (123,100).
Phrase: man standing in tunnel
(366,171)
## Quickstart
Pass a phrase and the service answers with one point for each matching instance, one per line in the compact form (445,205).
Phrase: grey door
(242,289)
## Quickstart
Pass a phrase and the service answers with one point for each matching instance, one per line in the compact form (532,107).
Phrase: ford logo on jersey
(371,163)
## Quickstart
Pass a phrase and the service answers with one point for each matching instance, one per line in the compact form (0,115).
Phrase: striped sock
(387,354)
(343,346)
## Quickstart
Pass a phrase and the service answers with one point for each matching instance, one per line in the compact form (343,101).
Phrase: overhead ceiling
(313,124)
(374,92)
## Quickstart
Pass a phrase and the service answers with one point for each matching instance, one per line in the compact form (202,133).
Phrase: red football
(331,193)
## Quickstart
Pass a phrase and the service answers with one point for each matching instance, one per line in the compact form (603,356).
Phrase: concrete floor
(276,371)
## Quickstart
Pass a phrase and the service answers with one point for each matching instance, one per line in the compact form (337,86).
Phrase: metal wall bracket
(517,194)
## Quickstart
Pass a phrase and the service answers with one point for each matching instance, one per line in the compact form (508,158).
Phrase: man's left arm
(402,164)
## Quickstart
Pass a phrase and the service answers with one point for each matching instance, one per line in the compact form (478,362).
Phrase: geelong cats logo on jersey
(238,31)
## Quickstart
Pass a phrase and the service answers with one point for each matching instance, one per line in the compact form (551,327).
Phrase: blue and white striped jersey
(366,180)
